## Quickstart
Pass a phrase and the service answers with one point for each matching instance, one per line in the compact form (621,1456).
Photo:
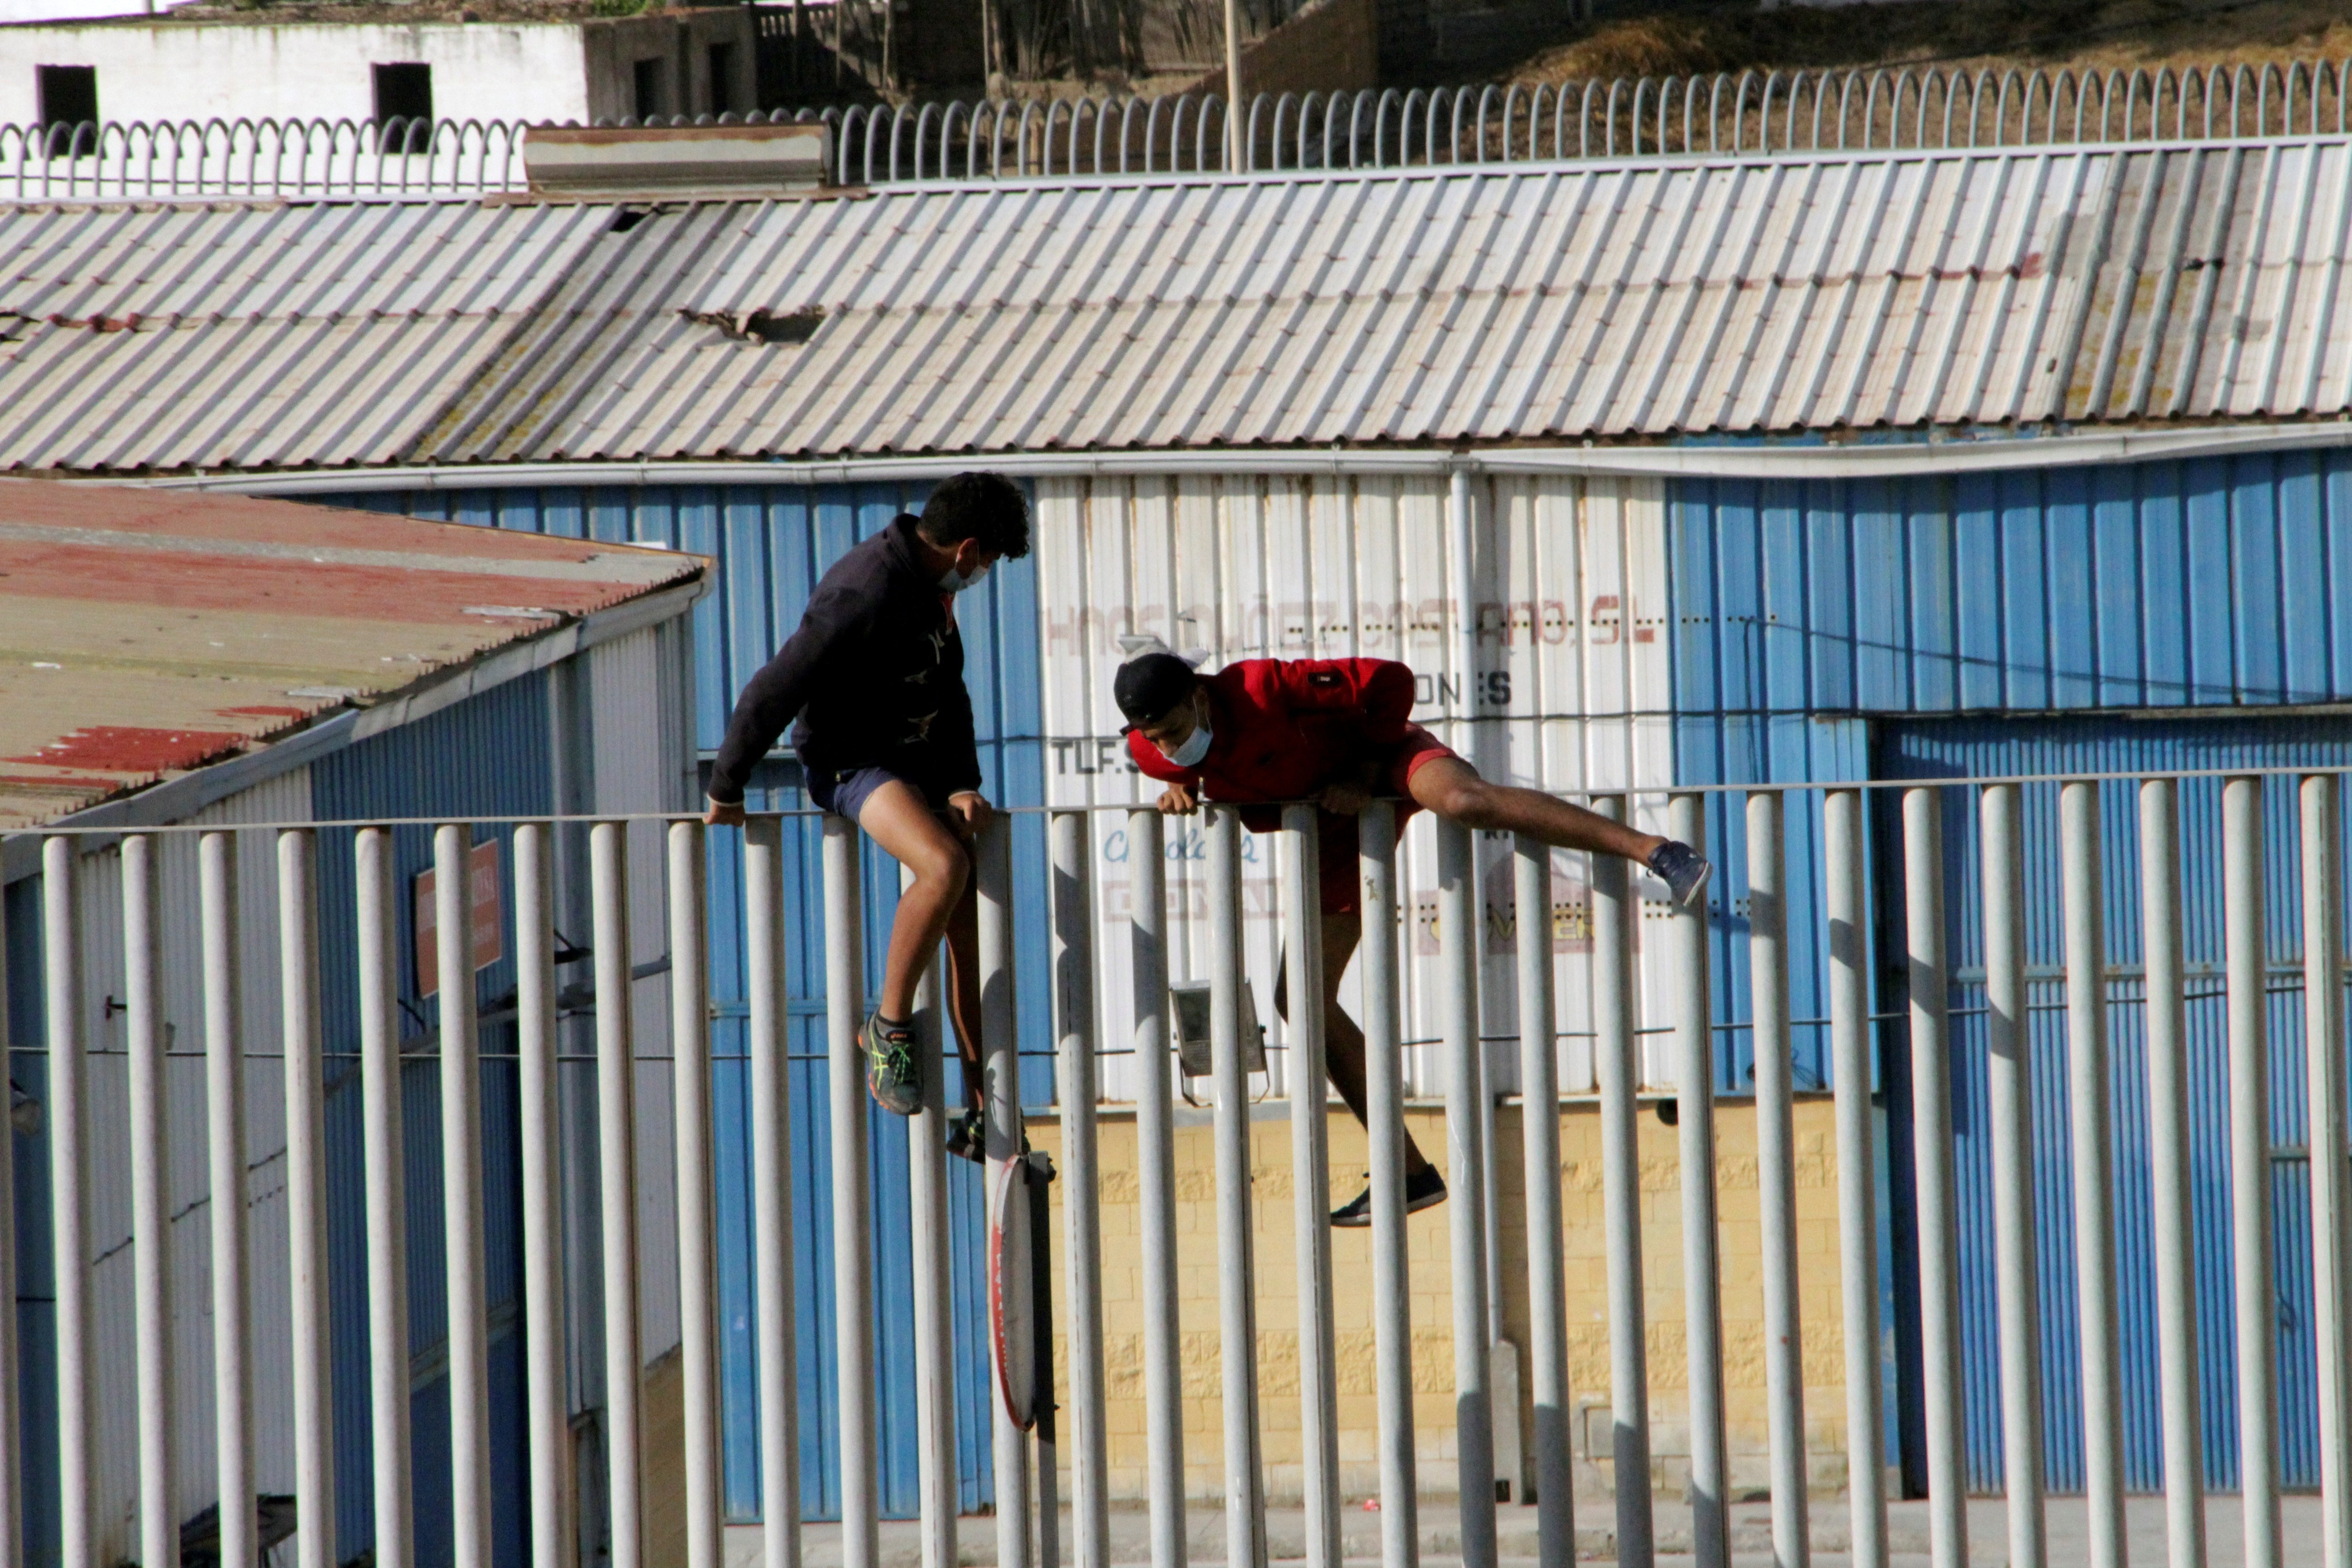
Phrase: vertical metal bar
(2323,994)
(2169,1161)
(11,1503)
(1851,1057)
(767,997)
(1702,1262)
(1384,1134)
(68,1125)
(2010,1112)
(1931,1132)
(1002,1140)
(1555,1466)
(927,1204)
(1310,1177)
(2246,941)
(1236,1263)
(1155,1158)
(151,1202)
(1617,1069)
(1776,1170)
(2094,1214)
(1465,1087)
(616,1166)
(697,1263)
(387,1199)
(305,1197)
(461,1197)
(546,1420)
(224,1136)
(1074,1006)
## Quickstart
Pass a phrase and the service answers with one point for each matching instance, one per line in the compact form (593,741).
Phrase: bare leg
(896,818)
(963,990)
(1343,1042)
(1453,789)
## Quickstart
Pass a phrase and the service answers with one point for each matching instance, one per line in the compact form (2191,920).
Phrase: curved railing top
(1747,113)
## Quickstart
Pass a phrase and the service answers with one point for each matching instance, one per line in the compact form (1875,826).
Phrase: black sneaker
(1681,868)
(1423,1190)
(894,1065)
(967,1140)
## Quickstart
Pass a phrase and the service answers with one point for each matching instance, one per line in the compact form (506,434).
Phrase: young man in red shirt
(1339,731)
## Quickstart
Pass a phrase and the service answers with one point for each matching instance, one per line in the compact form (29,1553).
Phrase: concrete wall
(481,71)
(1743,1307)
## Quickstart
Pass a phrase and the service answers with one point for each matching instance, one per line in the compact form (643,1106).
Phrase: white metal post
(387,1198)
(1465,1089)
(1848,900)
(1164,1375)
(1931,1137)
(68,1126)
(305,1088)
(1003,1137)
(1073,1008)
(1310,1176)
(1701,1260)
(151,1199)
(1384,1134)
(1237,1262)
(461,1198)
(697,1262)
(2094,1210)
(2247,945)
(2331,1254)
(927,1205)
(853,1234)
(2010,1112)
(547,1421)
(1776,1170)
(240,1540)
(1555,1465)
(11,1503)
(768,1042)
(1618,1066)
(2169,1171)
(617,1179)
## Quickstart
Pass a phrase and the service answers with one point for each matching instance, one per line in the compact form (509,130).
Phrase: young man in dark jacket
(1340,731)
(874,675)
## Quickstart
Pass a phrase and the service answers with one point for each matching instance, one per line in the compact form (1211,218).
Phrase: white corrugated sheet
(1571,671)
(1483,304)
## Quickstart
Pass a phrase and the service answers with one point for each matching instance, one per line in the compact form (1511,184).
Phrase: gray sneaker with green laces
(894,1065)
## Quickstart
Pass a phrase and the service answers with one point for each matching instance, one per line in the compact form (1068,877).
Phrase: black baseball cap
(1150,685)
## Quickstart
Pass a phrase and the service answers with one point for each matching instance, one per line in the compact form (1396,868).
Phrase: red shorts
(1341,879)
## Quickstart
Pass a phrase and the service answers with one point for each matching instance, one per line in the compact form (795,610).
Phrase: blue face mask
(1194,749)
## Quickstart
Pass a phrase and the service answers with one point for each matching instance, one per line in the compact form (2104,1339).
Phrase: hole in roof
(627,218)
(798,327)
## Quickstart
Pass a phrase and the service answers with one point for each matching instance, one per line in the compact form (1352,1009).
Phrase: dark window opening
(68,107)
(648,84)
(722,78)
(403,106)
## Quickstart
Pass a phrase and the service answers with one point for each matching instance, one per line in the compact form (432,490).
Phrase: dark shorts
(846,794)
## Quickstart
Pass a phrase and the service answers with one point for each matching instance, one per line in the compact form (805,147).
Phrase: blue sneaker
(1682,869)
(894,1065)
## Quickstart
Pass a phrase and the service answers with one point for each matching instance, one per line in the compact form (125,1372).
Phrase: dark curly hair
(978,505)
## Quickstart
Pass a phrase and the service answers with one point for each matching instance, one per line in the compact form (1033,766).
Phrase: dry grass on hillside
(2044,33)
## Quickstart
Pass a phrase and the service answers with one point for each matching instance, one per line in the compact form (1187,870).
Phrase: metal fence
(1751,113)
(1831,815)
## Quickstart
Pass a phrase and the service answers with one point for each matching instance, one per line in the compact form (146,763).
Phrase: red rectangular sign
(488,925)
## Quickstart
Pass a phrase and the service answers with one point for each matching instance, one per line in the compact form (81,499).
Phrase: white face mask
(954,582)
(1194,749)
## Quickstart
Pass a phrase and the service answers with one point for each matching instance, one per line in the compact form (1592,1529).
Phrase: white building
(234,65)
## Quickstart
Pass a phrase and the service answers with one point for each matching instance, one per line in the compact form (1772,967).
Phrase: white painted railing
(1678,941)
(1753,112)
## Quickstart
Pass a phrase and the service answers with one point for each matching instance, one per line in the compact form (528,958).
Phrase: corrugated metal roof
(146,632)
(1504,304)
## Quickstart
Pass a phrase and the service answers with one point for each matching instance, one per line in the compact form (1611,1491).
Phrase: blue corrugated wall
(1817,624)
(772,544)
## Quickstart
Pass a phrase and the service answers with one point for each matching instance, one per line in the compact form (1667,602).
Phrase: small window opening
(403,106)
(722,80)
(648,84)
(69,107)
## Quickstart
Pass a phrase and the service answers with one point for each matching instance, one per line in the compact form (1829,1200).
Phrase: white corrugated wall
(286,798)
(1572,681)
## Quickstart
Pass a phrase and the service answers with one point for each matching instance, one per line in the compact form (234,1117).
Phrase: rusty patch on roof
(133,749)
